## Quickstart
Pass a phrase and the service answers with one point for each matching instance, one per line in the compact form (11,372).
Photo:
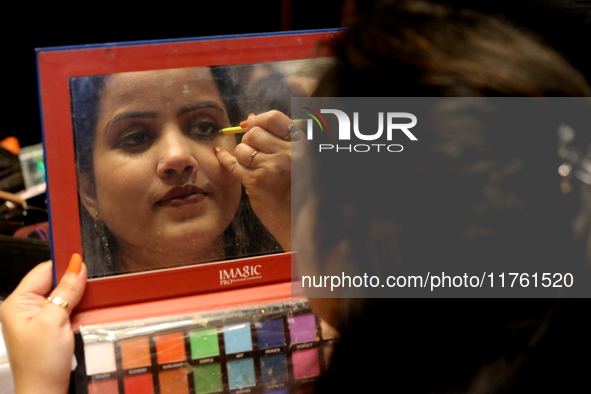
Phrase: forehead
(159,89)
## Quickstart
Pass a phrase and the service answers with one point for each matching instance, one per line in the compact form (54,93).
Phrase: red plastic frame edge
(56,67)
(186,305)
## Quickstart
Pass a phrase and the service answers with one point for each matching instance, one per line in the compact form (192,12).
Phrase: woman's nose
(176,155)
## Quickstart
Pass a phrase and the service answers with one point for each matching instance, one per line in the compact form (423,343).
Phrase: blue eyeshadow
(241,373)
(237,338)
(270,333)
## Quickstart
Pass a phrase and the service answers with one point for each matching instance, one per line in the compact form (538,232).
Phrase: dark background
(47,25)
(564,24)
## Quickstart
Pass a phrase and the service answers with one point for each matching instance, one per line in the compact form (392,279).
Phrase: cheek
(227,142)
(233,192)
(121,179)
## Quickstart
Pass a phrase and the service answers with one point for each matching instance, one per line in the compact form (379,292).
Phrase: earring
(566,135)
(577,164)
(99,228)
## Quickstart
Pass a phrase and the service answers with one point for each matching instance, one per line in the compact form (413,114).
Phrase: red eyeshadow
(139,384)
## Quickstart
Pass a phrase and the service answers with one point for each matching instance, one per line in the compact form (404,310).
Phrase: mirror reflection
(154,191)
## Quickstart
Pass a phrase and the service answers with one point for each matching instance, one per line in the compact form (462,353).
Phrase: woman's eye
(133,139)
(204,129)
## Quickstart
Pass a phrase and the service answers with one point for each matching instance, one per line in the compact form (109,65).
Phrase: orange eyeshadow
(173,381)
(135,352)
(170,348)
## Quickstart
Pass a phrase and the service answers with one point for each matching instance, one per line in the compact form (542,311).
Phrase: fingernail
(244,123)
(75,264)
(217,149)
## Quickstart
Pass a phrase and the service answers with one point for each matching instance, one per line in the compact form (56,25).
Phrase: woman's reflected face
(159,187)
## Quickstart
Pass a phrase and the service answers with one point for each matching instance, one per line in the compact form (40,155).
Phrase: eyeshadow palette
(278,348)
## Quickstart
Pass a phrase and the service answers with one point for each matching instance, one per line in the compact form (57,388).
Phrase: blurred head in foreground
(479,192)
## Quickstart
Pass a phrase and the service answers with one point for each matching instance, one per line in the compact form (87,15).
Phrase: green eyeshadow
(204,343)
(208,378)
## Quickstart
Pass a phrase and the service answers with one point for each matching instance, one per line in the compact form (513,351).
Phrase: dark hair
(429,50)
(476,193)
(485,161)
(246,235)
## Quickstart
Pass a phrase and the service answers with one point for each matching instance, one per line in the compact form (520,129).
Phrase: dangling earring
(566,135)
(99,227)
(565,185)
(576,164)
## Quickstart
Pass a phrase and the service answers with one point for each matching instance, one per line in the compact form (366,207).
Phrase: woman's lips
(182,196)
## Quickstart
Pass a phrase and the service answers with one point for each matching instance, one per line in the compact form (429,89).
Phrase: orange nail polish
(217,149)
(75,264)
(244,123)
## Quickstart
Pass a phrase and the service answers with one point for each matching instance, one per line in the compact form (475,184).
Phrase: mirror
(152,193)
(102,158)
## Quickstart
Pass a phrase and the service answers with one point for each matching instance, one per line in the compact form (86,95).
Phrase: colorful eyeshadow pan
(270,333)
(170,348)
(204,343)
(208,378)
(103,386)
(135,352)
(237,338)
(274,368)
(305,363)
(277,350)
(139,384)
(100,358)
(241,373)
(173,381)
(302,328)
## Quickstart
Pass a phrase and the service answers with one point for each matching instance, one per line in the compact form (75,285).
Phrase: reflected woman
(153,190)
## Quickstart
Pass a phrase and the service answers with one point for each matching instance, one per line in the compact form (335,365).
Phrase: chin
(188,237)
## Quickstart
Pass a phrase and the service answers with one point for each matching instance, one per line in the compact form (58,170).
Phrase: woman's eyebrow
(130,115)
(200,105)
(153,114)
